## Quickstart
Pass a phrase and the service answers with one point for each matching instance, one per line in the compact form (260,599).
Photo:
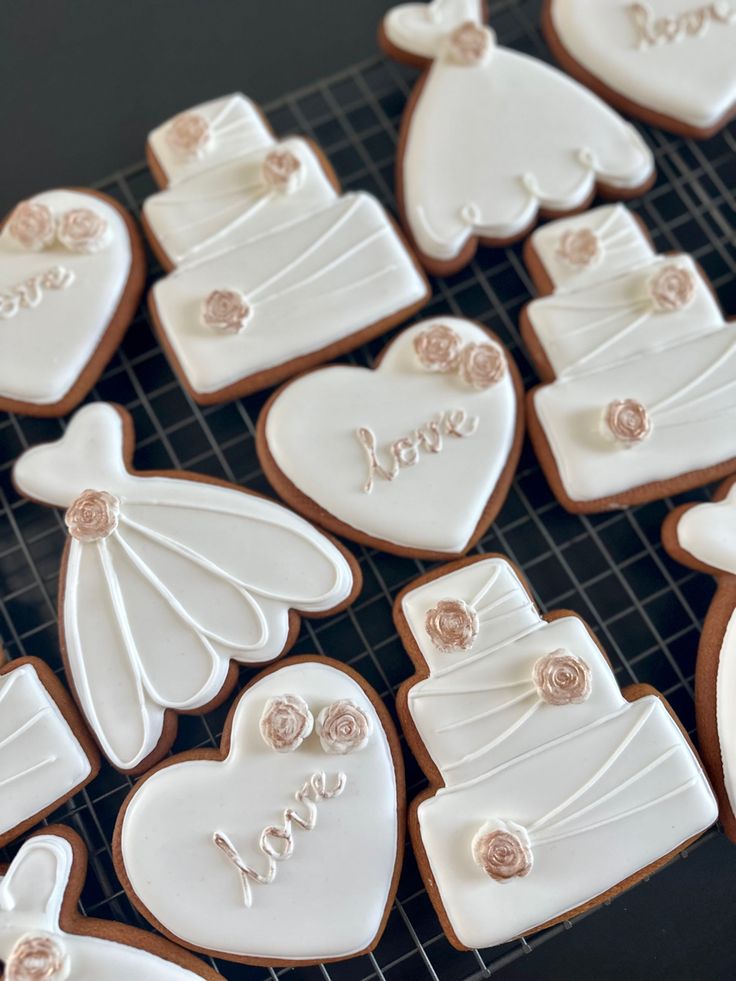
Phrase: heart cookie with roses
(415,456)
(285,847)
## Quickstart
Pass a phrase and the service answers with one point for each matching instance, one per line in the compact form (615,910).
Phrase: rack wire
(610,568)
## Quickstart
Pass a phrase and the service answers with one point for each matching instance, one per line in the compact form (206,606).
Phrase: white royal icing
(41,760)
(236,126)
(489,144)
(676,57)
(311,432)
(31,895)
(329,898)
(193,575)
(311,281)
(45,346)
(596,789)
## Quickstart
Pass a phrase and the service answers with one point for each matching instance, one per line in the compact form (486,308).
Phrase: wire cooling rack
(611,568)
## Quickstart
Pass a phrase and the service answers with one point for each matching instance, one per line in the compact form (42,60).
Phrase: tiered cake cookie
(276,270)
(491,137)
(71,275)
(167,580)
(670,62)
(638,364)
(551,789)
(309,771)
(703,536)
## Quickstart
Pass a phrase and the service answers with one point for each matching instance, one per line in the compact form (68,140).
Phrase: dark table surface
(83,82)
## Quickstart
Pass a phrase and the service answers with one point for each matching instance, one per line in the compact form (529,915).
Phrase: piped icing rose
(482,365)
(438,348)
(189,134)
(82,230)
(562,678)
(226,311)
(94,515)
(343,727)
(502,850)
(282,171)
(579,247)
(469,43)
(672,288)
(285,723)
(452,625)
(627,421)
(37,957)
(32,225)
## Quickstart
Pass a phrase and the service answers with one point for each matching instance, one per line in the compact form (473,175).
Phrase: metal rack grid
(610,568)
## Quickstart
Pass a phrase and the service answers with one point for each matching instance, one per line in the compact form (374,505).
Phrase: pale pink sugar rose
(83,230)
(502,849)
(672,288)
(32,225)
(226,311)
(282,171)
(579,247)
(482,365)
(94,515)
(285,723)
(628,421)
(438,348)
(189,134)
(562,678)
(37,957)
(452,625)
(469,43)
(343,727)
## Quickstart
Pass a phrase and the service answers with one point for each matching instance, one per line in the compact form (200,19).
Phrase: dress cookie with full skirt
(550,788)
(492,137)
(168,579)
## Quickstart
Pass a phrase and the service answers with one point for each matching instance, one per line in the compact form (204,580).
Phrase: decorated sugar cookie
(44,938)
(638,364)
(274,269)
(703,536)
(287,842)
(46,755)
(71,275)
(415,456)
(492,137)
(550,789)
(669,62)
(169,579)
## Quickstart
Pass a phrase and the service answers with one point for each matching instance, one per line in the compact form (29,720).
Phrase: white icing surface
(194,575)
(238,129)
(420,28)
(625,246)
(708,532)
(41,759)
(434,505)
(221,207)
(489,144)
(599,804)
(329,898)
(311,284)
(726,709)
(31,894)
(43,349)
(496,671)
(692,80)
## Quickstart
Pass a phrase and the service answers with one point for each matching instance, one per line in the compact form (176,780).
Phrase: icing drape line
(28,770)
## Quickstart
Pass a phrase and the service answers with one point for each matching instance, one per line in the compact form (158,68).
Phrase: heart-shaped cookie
(71,275)
(414,457)
(310,771)
(669,62)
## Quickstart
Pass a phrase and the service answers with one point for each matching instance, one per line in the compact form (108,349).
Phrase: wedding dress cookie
(415,456)
(71,274)
(638,364)
(168,579)
(46,755)
(309,770)
(491,137)
(551,790)
(275,269)
(672,63)
(44,938)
